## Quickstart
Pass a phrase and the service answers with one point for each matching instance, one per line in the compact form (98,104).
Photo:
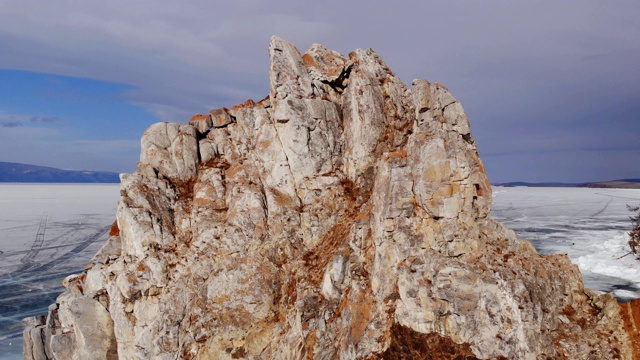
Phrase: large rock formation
(345,216)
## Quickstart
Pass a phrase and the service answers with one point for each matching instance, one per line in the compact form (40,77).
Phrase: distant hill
(16,172)
(544,184)
(615,184)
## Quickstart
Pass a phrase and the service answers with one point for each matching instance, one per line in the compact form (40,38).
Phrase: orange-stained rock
(409,344)
(630,312)
(202,123)
(220,117)
(114,231)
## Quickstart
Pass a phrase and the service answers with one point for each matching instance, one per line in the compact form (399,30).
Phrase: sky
(552,88)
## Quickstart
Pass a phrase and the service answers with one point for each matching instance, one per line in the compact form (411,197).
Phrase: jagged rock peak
(345,216)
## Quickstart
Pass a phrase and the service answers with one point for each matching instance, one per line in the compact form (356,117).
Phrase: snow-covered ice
(589,225)
(47,231)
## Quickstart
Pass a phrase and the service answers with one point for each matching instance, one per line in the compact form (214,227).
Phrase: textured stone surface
(202,123)
(345,216)
(631,314)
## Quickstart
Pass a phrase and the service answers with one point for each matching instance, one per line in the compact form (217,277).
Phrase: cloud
(10,124)
(8,120)
(176,54)
(45,119)
(572,166)
(534,77)
(53,147)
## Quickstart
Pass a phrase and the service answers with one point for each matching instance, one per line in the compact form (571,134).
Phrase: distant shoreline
(34,174)
(613,184)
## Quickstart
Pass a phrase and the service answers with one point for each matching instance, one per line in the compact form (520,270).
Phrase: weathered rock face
(344,216)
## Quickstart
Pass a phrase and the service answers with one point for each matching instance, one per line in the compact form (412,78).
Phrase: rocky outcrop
(345,216)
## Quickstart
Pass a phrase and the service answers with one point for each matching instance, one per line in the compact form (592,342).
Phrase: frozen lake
(48,231)
(589,225)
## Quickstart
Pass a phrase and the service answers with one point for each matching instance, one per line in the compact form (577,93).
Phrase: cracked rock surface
(345,216)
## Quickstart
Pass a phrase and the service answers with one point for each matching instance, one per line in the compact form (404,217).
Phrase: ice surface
(47,231)
(589,225)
